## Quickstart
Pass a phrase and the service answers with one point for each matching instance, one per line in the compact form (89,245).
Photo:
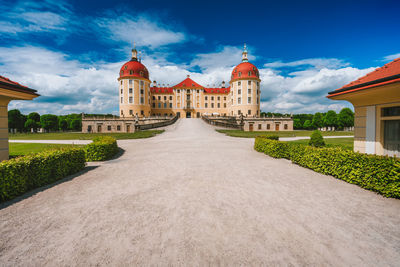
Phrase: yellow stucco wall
(4,127)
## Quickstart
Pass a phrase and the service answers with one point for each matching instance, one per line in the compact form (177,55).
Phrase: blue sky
(71,51)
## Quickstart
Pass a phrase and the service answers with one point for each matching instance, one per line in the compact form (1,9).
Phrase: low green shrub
(102,148)
(22,174)
(376,173)
(271,137)
(316,139)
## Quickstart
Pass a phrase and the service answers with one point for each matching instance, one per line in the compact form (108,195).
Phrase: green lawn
(239,133)
(82,136)
(21,149)
(346,143)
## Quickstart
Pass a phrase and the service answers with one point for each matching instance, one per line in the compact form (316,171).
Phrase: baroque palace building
(144,104)
(138,96)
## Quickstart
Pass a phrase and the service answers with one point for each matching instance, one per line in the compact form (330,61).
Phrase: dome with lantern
(134,68)
(245,69)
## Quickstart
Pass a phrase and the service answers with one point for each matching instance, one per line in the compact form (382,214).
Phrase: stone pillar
(4,128)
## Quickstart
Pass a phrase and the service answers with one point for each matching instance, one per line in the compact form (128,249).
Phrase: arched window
(126,67)
(249,73)
(122,72)
(240,73)
(141,73)
(131,72)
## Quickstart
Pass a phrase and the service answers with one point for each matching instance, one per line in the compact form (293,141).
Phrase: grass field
(238,133)
(346,143)
(82,136)
(21,149)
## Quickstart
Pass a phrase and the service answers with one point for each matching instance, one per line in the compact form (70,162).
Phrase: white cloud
(140,29)
(391,57)
(318,63)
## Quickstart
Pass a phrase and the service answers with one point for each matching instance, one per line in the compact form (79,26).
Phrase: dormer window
(122,72)
(126,67)
(240,73)
(249,73)
(131,72)
(141,73)
(235,70)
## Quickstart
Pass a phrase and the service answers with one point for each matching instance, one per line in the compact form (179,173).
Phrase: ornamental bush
(22,174)
(316,139)
(376,173)
(102,148)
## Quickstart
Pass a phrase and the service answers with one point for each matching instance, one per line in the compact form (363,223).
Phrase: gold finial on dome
(134,52)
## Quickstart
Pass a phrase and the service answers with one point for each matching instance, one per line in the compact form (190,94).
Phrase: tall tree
(297,124)
(63,125)
(346,118)
(16,120)
(49,122)
(31,124)
(317,121)
(76,125)
(34,116)
(307,125)
(330,119)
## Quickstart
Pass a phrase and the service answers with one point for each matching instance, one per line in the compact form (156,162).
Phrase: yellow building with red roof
(139,97)
(376,101)
(10,90)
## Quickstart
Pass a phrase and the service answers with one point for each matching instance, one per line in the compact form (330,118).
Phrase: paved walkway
(192,196)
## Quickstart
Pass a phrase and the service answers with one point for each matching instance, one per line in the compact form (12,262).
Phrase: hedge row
(22,174)
(102,148)
(376,173)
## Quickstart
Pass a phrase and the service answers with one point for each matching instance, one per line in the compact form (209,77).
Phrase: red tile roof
(189,84)
(11,85)
(389,73)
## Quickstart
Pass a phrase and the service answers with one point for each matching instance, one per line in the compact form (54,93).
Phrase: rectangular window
(141,91)
(249,91)
(109,128)
(122,91)
(218,105)
(118,127)
(121,82)
(224,98)
(154,98)
(142,100)
(219,98)
(206,105)
(268,126)
(259,127)
(130,90)
(122,100)
(170,98)
(239,92)
(130,81)
(159,105)
(212,98)
(159,98)
(154,105)
(179,91)
(142,112)
(212,105)
(249,82)
(165,105)
(130,99)
(170,105)
(239,83)
(224,105)
(239,100)
(206,98)
(249,100)
(130,112)
(165,98)
(141,83)
(249,112)
(285,126)
(391,111)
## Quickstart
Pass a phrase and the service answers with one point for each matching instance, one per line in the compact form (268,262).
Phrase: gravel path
(195,197)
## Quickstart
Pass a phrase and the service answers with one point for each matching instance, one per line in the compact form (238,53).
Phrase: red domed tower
(134,88)
(245,89)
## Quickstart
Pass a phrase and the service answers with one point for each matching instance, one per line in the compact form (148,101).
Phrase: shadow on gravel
(116,156)
(45,187)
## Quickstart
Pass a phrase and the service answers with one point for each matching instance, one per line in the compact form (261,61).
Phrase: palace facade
(139,97)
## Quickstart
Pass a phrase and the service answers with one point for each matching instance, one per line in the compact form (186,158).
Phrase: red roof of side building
(11,85)
(188,83)
(389,73)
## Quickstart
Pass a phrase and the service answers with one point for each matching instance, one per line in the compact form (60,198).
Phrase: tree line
(49,122)
(345,118)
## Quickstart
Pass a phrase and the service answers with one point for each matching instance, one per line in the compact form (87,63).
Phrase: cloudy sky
(71,51)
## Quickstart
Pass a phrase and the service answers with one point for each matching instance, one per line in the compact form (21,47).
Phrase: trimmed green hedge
(22,174)
(376,173)
(102,148)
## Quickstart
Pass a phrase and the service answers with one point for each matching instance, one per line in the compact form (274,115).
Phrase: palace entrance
(188,114)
